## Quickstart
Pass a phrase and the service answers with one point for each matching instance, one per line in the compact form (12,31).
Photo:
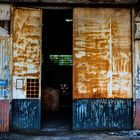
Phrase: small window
(32,88)
(62,60)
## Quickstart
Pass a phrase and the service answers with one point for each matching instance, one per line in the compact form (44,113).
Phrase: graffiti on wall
(102,53)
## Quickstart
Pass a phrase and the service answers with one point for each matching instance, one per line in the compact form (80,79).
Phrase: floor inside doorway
(60,124)
(56,100)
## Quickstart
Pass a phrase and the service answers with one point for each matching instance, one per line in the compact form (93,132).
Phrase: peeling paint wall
(5,68)
(137,64)
(137,52)
(5,53)
(27,26)
(4,115)
(102,114)
(102,53)
(26,114)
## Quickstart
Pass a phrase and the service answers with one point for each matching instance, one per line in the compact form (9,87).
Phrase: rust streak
(102,53)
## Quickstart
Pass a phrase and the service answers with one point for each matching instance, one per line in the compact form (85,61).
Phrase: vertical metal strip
(134,66)
(12,34)
(40,55)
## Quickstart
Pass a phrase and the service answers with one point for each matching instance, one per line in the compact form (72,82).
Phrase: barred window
(32,88)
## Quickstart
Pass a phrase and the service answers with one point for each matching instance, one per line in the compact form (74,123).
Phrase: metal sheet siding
(4,115)
(27,32)
(104,114)
(4,12)
(25,114)
(102,53)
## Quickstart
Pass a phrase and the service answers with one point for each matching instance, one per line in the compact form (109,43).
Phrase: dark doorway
(56,100)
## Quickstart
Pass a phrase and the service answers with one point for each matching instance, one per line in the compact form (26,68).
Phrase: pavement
(118,135)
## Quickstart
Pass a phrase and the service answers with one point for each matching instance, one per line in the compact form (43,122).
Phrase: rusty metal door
(27,36)
(5,68)
(102,91)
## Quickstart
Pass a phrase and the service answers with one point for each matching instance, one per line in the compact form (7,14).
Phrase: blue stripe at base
(105,114)
(25,114)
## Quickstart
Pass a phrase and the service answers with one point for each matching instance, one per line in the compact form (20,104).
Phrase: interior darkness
(56,79)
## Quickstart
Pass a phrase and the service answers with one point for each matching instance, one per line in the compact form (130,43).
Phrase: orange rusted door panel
(27,36)
(102,53)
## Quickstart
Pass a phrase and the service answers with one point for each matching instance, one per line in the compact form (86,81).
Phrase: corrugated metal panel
(102,53)
(5,67)
(27,32)
(4,115)
(4,12)
(137,114)
(25,114)
(102,114)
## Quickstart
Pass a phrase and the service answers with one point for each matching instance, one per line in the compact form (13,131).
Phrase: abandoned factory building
(68,65)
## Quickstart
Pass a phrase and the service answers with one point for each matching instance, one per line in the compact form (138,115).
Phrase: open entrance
(56,98)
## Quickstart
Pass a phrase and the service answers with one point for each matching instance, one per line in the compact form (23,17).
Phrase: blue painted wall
(104,114)
(25,114)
